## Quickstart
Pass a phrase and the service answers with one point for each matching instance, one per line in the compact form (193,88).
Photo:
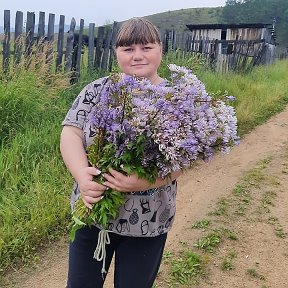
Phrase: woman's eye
(147,48)
(128,49)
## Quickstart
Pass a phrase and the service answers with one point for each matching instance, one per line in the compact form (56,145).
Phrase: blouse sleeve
(84,102)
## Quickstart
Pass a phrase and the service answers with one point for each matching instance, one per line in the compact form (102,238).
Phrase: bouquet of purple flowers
(153,130)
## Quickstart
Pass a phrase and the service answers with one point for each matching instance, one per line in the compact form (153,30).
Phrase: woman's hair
(137,31)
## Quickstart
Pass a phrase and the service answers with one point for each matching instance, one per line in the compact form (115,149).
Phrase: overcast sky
(100,12)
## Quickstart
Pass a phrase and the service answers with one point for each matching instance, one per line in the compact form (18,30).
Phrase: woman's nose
(137,55)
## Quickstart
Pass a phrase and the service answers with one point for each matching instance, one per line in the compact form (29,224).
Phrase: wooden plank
(51,24)
(60,43)
(41,27)
(91,45)
(166,41)
(201,45)
(50,38)
(99,47)
(18,39)
(30,26)
(115,28)
(18,25)
(182,41)
(69,46)
(6,42)
(107,43)
(41,34)
(193,44)
(216,49)
(246,55)
(188,43)
(232,59)
(79,49)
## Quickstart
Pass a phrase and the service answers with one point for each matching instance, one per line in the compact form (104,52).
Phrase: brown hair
(137,31)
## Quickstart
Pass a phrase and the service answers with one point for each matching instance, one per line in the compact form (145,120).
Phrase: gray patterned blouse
(144,214)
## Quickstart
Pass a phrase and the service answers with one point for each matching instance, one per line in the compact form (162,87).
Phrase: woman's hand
(90,190)
(123,183)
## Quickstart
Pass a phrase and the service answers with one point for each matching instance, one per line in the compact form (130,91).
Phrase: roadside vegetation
(35,186)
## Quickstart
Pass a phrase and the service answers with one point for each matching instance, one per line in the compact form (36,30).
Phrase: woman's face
(140,60)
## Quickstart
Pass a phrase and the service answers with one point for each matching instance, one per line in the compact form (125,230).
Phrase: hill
(178,19)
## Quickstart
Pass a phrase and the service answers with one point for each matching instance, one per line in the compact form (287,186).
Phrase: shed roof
(226,26)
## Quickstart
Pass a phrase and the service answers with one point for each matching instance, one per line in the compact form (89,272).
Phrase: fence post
(216,53)
(91,45)
(60,43)
(107,43)
(30,26)
(79,49)
(50,38)
(166,41)
(194,44)
(41,27)
(6,42)
(41,33)
(173,40)
(112,44)
(18,39)
(69,46)
(200,44)
(99,47)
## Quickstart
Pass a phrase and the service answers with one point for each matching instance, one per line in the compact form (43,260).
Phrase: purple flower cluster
(170,125)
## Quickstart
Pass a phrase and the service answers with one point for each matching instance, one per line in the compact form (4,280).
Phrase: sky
(99,12)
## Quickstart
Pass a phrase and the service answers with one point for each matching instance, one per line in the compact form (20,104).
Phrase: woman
(138,235)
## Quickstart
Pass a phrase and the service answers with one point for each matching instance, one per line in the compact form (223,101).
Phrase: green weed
(221,208)
(185,269)
(255,274)
(227,263)
(201,224)
(208,242)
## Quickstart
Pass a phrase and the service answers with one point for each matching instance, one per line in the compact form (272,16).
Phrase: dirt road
(199,190)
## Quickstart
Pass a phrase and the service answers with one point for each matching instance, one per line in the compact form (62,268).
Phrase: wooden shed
(256,32)
(254,40)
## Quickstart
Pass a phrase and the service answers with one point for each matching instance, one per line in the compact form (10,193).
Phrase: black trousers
(137,260)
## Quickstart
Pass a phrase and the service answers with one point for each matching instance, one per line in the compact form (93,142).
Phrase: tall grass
(259,94)
(35,186)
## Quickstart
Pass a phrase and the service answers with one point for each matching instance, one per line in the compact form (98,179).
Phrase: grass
(185,268)
(208,242)
(228,262)
(201,224)
(259,94)
(35,186)
(255,274)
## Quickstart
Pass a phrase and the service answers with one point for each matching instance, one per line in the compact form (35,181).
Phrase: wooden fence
(66,49)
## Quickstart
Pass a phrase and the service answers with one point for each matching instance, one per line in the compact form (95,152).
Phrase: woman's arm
(75,159)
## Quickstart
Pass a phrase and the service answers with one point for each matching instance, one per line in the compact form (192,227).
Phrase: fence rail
(66,48)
